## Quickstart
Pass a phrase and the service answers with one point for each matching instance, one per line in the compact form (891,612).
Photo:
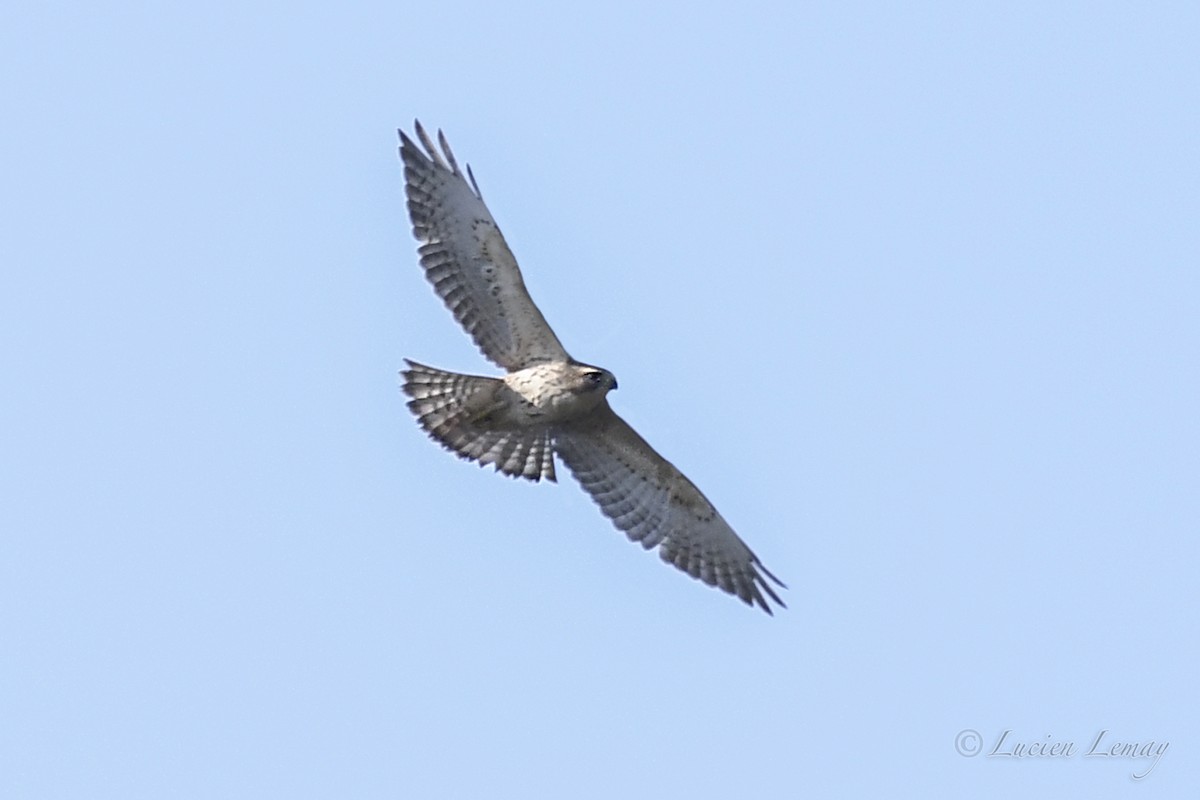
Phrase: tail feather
(458,411)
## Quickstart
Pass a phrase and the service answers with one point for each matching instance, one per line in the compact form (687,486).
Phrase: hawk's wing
(648,498)
(467,260)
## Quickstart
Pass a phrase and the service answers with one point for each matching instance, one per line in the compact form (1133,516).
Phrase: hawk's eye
(595,377)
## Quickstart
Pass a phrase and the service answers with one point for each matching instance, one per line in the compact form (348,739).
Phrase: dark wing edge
(654,504)
(466,259)
(444,159)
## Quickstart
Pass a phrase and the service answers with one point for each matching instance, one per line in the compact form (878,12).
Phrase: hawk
(548,403)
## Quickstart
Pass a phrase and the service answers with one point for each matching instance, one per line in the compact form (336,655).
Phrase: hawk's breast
(556,391)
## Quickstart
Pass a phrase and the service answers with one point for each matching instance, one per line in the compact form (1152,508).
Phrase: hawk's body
(548,403)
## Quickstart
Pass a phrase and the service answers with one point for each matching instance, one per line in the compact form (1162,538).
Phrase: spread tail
(459,412)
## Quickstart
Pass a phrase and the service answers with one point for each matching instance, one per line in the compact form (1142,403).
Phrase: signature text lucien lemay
(1103,746)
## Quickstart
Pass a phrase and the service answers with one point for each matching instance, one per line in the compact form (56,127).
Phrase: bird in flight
(548,403)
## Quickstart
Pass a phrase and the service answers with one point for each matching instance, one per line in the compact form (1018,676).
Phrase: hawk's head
(595,379)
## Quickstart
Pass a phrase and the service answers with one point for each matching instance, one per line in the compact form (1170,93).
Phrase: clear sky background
(912,292)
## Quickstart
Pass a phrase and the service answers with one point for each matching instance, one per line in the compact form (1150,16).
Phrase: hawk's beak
(614,383)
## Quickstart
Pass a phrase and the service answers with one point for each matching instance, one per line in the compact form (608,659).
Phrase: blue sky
(911,292)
